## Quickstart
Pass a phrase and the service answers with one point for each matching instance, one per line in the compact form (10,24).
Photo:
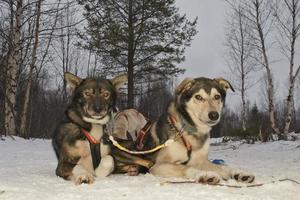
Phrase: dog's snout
(213,115)
(97,108)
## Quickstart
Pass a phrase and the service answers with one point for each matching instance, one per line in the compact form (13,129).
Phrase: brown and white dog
(197,107)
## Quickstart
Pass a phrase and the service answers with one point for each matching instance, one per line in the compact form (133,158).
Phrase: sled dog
(80,142)
(183,131)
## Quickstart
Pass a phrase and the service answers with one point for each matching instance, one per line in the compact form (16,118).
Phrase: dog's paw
(133,170)
(244,177)
(210,178)
(84,178)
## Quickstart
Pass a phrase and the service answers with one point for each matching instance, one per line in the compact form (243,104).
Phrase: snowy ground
(27,172)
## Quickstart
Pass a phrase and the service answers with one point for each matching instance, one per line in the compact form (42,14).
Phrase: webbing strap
(96,154)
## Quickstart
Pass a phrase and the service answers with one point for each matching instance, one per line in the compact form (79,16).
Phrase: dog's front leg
(74,172)
(184,171)
(75,166)
(105,167)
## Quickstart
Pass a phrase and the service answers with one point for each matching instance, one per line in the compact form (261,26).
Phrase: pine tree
(254,121)
(140,37)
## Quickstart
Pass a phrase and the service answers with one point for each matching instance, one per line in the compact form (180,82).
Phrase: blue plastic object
(218,161)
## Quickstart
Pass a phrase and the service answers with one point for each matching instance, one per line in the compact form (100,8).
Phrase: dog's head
(96,97)
(201,100)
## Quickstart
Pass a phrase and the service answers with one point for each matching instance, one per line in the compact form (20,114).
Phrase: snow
(27,172)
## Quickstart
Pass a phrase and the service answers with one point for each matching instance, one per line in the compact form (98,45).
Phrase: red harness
(89,137)
(140,140)
(94,148)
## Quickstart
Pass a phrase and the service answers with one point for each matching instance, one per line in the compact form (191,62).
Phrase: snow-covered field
(27,172)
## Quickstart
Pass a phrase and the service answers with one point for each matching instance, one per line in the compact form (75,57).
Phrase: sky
(205,54)
(205,57)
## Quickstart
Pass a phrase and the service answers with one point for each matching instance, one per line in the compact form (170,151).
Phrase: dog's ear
(185,85)
(225,85)
(119,81)
(72,81)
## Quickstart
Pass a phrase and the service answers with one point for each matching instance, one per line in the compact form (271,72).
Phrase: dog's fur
(92,104)
(197,107)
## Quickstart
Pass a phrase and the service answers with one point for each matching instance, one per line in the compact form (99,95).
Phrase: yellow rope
(116,144)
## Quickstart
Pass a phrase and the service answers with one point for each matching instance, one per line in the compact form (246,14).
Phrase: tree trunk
(293,37)
(290,97)
(289,110)
(243,93)
(270,89)
(130,64)
(290,103)
(243,112)
(271,102)
(11,73)
(23,130)
(242,71)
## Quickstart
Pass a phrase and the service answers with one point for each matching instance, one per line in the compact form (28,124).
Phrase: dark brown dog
(79,159)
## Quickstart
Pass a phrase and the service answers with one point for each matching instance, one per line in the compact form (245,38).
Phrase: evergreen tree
(254,121)
(139,37)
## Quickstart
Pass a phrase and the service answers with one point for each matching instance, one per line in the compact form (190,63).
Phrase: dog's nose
(97,108)
(213,115)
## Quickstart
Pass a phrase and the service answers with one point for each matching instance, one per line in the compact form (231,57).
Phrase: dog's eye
(106,94)
(217,97)
(199,98)
(88,93)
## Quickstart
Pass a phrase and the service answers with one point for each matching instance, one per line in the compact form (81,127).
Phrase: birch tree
(260,13)
(13,59)
(239,54)
(287,16)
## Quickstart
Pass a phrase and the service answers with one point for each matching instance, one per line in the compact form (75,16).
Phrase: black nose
(97,108)
(213,115)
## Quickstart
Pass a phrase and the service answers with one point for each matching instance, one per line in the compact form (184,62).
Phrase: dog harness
(94,147)
(140,140)
(146,130)
(179,133)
